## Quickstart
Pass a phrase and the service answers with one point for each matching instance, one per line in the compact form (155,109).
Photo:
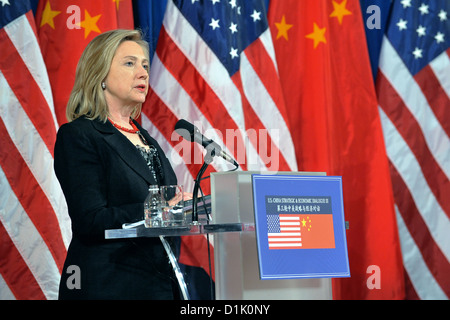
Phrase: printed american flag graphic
(284,231)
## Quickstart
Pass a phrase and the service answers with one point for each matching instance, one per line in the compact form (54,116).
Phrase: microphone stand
(208,159)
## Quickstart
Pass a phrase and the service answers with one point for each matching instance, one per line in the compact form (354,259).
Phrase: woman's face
(127,80)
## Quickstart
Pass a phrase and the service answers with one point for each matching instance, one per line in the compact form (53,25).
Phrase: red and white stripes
(34,225)
(415,117)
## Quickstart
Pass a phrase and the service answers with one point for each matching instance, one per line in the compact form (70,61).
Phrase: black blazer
(105,182)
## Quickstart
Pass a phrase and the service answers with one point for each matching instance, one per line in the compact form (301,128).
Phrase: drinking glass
(172,205)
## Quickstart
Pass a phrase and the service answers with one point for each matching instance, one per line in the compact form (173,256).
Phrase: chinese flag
(317,231)
(65,28)
(325,73)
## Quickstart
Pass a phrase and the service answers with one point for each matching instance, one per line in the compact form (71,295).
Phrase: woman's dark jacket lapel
(127,152)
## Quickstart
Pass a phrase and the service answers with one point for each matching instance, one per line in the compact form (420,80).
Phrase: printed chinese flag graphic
(300,231)
(317,231)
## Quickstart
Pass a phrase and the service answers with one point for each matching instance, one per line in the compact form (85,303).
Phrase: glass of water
(172,204)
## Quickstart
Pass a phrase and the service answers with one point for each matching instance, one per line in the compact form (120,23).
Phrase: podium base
(140,231)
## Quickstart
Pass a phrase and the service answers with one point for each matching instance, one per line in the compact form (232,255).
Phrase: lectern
(249,209)
(236,254)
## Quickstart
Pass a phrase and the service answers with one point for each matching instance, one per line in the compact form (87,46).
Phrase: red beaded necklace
(134,130)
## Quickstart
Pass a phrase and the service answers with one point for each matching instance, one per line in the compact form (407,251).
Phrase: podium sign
(300,226)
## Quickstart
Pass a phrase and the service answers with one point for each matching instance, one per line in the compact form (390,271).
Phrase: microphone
(191,133)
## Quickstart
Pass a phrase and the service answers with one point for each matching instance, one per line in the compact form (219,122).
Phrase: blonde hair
(87,97)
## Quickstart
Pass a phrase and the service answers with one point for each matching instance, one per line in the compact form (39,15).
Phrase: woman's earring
(103,85)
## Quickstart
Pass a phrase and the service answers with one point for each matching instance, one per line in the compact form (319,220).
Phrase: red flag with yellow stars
(65,28)
(317,231)
(328,87)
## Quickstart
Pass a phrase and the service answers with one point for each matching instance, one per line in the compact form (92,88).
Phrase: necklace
(134,130)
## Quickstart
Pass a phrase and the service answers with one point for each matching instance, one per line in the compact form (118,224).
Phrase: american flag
(215,66)
(283,231)
(413,88)
(34,225)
